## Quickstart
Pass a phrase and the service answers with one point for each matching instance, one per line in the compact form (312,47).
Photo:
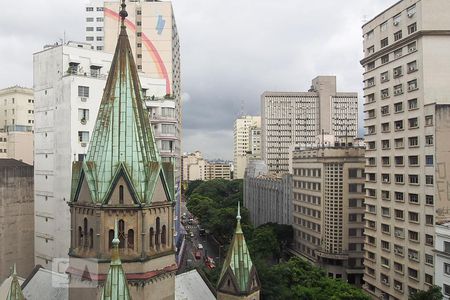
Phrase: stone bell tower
(122,178)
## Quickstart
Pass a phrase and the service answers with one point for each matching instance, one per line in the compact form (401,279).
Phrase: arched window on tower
(85,232)
(151,237)
(111,237)
(163,235)
(80,236)
(130,239)
(158,232)
(121,234)
(121,194)
(91,238)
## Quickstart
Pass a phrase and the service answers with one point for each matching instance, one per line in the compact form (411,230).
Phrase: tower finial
(123,13)
(238,217)
(115,245)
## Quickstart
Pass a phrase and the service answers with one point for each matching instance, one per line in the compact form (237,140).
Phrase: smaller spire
(238,217)
(115,244)
(123,13)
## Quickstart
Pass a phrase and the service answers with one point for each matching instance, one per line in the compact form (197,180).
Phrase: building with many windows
(94,22)
(442,261)
(17,109)
(245,131)
(407,124)
(193,166)
(217,170)
(294,118)
(328,208)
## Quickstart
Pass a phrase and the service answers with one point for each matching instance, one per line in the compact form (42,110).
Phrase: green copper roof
(238,258)
(116,285)
(15,292)
(122,141)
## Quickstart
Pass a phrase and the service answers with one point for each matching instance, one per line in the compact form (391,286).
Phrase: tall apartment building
(68,84)
(442,261)
(254,144)
(193,166)
(17,109)
(407,123)
(94,29)
(17,123)
(328,208)
(217,170)
(241,142)
(294,118)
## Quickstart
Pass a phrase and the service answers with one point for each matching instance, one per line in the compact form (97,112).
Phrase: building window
(139,23)
(130,239)
(429,120)
(399,196)
(413,273)
(83,91)
(99,8)
(412,47)
(413,141)
(384,42)
(99,19)
(398,107)
(412,85)
(411,11)
(412,28)
(89,9)
(398,53)
(399,214)
(429,219)
(383,26)
(413,179)
(163,235)
(83,115)
(99,28)
(398,71)
(429,240)
(139,45)
(412,104)
(83,136)
(385,127)
(429,180)
(385,245)
(413,198)
(399,178)
(429,140)
(138,12)
(121,234)
(89,38)
(413,160)
(385,59)
(396,19)
(385,93)
(412,67)
(385,110)
(413,236)
(413,217)
(89,19)
(151,237)
(369,35)
(397,35)
(429,200)
(89,28)
(429,160)
(385,212)
(399,145)
(447,268)
(385,144)
(121,194)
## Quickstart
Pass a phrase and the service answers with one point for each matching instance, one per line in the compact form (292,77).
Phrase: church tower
(123,178)
(238,279)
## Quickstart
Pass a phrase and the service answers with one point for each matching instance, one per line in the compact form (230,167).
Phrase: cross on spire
(123,13)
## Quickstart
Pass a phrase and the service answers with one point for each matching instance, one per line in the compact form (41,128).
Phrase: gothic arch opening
(130,239)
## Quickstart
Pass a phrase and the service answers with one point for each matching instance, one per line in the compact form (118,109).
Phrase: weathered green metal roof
(238,258)
(15,291)
(116,285)
(122,142)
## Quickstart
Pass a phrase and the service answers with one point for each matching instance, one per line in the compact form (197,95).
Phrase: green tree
(192,185)
(264,244)
(433,293)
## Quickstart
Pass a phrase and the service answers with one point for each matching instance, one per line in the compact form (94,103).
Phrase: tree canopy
(433,293)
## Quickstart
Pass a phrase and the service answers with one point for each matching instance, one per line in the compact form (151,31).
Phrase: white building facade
(94,28)
(442,264)
(241,142)
(407,123)
(289,119)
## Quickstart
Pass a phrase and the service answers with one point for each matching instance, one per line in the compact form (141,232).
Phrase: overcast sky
(231,52)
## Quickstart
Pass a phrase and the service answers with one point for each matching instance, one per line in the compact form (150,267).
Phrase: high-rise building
(254,139)
(122,198)
(17,109)
(328,208)
(407,124)
(217,170)
(442,261)
(95,24)
(241,135)
(294,118)
(193,166)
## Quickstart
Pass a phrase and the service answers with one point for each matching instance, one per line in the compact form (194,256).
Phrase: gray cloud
(231,51)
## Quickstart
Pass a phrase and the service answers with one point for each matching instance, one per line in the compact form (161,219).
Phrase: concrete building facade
(442,261)
(94,30)
(268,198)
(290,119)
(193,166)
(17,109)
(16,217)
(328,208)
(241,142)
(406,119)
(17,145)
(217,170)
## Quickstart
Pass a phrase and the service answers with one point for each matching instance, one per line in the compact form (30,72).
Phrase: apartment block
(328,207)
(193,166)
(217,170)
(290,119)
(17,145)
(442,261)
(94,22)
(268,197)
(17,109)
(242,132)
(407,118)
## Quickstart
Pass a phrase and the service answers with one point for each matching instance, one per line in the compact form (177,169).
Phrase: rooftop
(10,162)
(191,286)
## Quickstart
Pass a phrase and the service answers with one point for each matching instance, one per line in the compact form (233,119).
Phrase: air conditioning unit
(398,92)
(384,280)
(396,23)
(411,88)
(398,287)
(83,99)
(83,144)
(411,256)
(412,49)
(410,14)
(396,73)
(412,68)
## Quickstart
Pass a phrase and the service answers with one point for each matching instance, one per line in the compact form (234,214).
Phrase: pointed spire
(15,291)
(122,142)
(116,284)
(238,263)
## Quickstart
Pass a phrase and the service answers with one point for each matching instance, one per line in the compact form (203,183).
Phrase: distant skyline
(231,51)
